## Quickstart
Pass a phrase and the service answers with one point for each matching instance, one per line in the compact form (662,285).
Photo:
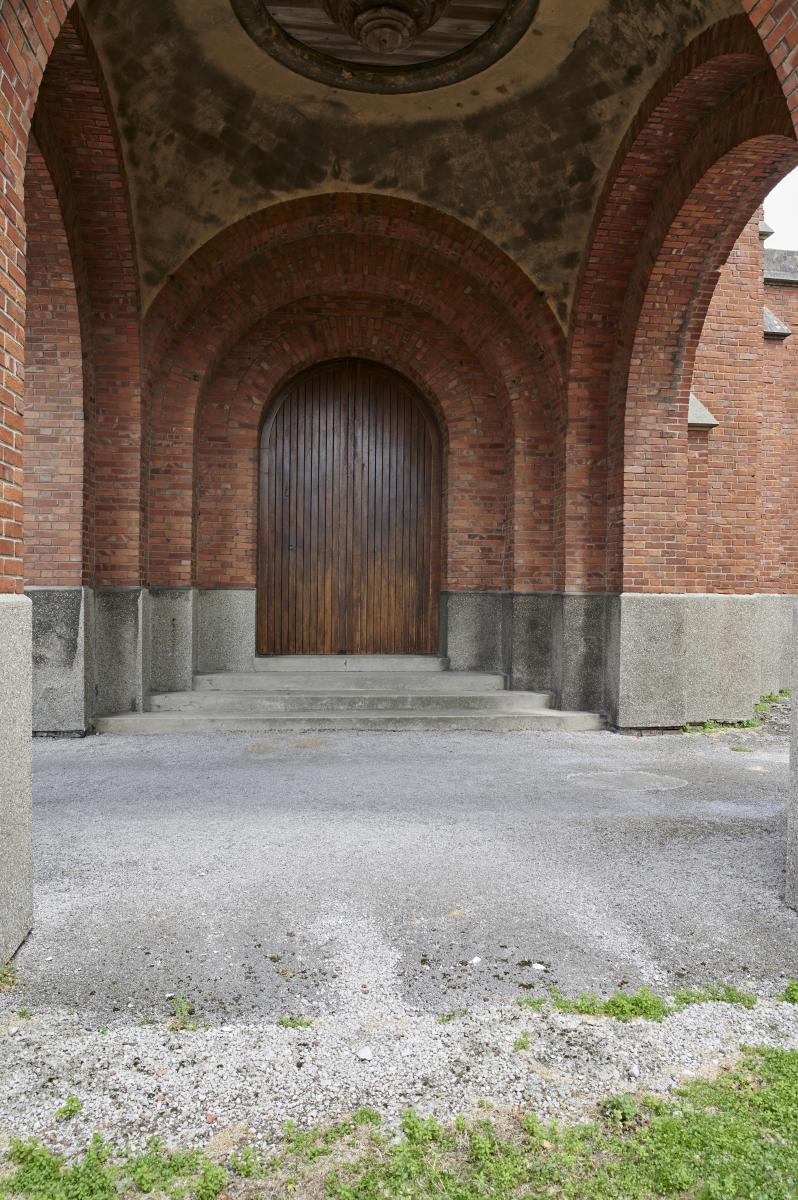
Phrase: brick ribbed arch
(477,483)
(653,489)
(77,137)
(349,261)
(53,402)
(342,215)
(719,95)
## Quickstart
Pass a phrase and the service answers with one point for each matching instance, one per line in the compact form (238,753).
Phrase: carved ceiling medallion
(378,46)
(384,28)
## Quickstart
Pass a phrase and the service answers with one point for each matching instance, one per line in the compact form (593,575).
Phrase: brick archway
(353,252)
(657,385)
(719,94)
(715,135)
(76,136)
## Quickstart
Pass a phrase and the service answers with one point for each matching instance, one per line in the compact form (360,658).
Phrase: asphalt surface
(243,870)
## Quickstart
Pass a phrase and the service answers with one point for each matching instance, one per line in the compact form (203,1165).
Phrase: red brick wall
(706,147)
(779,457)
(723,548)
(53,406)
(28,29)
(79,144)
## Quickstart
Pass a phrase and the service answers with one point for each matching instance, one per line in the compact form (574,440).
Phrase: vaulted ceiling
(213,128)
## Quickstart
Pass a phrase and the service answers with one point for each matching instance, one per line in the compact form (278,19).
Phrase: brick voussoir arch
(28,29)
(345,215)
(723,176)
(361,262)
(77,136)
(473,426)
(78,141)
(722,82)
(329,267)
(776,24)
(657,385)
(526,455)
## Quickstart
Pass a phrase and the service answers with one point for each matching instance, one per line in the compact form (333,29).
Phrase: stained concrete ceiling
(213,129)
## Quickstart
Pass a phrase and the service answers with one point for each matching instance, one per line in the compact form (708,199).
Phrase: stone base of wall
(16,860)
(646,661)
(542,641)
(791,888)
(677,659)
(90,655)
(62,639)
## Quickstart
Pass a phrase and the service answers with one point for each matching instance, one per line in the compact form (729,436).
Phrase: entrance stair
(358,692)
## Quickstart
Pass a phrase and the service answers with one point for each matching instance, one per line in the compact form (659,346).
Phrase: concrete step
(250,703)
(349,662)
(164,722)
(357,681)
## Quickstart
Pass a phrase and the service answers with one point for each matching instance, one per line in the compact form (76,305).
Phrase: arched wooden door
(349,522)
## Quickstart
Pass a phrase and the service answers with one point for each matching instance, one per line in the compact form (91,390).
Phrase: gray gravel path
(373,883)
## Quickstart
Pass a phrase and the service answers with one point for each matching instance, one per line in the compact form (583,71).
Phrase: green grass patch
(719,726)
(39,1174)
(246,1163)
(69,1109)
(790,993)
(183,1010)
(623,1006)
(726,993)
(732,1138)
(8,977)
(452,1015)
(294,1022)
(533,1003)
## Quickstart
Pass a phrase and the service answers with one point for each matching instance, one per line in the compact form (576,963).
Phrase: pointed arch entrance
(349,515)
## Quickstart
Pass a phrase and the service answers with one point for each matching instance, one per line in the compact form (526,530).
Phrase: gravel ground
(237,1083)
(777,718)
(373,883)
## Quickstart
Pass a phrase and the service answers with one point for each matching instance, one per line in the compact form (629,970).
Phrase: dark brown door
(349,524)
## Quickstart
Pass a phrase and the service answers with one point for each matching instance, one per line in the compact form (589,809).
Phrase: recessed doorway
(349,520)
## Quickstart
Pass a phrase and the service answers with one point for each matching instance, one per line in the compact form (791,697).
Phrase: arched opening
(394,282)
(83,443)
(349,515)
(670,533)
